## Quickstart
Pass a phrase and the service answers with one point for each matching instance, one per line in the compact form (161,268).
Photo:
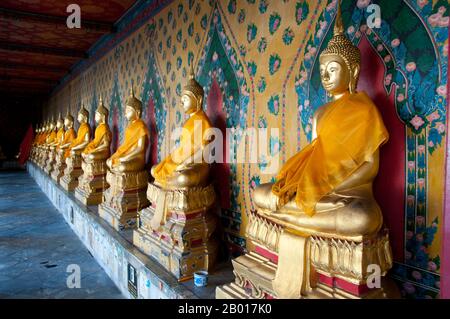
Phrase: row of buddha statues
(316,229)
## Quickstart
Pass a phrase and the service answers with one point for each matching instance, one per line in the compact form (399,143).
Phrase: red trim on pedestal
(267,254)
(326,280)
(347,286)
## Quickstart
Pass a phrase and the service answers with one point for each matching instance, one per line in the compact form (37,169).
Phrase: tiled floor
(36,246)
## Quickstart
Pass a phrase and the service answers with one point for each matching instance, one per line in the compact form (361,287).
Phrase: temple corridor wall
(257,60)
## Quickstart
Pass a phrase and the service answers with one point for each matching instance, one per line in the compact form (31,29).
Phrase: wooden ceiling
(37,49)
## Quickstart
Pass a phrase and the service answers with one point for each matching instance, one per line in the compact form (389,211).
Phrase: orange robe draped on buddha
(100,132)
(69,136)
(36,139)
(133,133)
(51,137)
(197,122)
(82,131)
(59,137)
(43,138)
(348,133)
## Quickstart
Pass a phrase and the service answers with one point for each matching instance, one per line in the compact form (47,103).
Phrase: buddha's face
(189,103)
(334,74)
(59,124)
(130,113)
(100,118)
(68,124)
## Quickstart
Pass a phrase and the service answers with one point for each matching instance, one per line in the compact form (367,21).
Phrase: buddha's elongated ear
(199,103)
(354,76)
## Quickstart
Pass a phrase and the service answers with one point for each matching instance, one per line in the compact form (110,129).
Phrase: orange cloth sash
(133,133)
(59,137)
(82,131)
(197,122)
(43,138)
(350,130)
(51,138)
(69,136)
(101,131)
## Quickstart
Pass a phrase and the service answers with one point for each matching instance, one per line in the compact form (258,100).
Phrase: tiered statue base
(60,166)
(43,157)
(92,183)
(338,265)
(135,274)
(72,172)
(183,245)
(125,197)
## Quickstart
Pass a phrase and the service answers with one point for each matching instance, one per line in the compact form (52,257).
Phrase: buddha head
(51,126)
(68,121)
(83,115)
(192,94)
(59,122)
(101,114)
(340,62)
(133,107)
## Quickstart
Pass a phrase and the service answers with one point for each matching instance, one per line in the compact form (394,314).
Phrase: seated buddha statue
(318,223)
(93,181)
(69,136)
(126,173)
(62,149)
(179,169)
(43,139)
(37,148)
(53,147)
(130,156)
(181,192)
(73,161)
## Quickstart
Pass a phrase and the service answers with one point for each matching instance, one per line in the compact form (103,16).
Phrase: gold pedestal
(72,172)
(124,198)
(183,245)
(50,161)
(59,167)
(92,183)
(339,266)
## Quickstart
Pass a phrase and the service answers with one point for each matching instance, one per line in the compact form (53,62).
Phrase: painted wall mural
(258,63)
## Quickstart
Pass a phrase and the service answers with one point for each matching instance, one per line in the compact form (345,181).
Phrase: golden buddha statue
(37,147)
(62,149)
(318,227)
(73,153)
(181,219)
(126,173)
(93,181)
(36,138)
(41,148)
(53,146)
(47,147)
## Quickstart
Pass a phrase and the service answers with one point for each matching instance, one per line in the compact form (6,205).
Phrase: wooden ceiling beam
(24,66)
(98,26)
(27,79)
(10,46)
